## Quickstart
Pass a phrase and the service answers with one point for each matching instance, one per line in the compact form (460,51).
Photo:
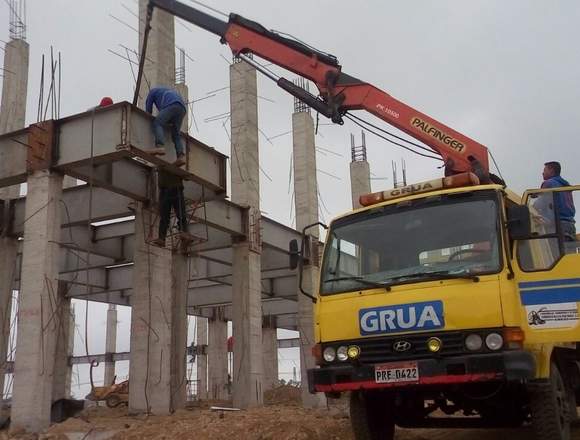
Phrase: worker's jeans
(568,230)
(171,116)
(171,198)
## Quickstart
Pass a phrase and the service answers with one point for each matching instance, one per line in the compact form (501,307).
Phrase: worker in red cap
(106,101)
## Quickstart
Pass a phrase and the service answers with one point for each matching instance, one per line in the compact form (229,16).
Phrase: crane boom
(338,91)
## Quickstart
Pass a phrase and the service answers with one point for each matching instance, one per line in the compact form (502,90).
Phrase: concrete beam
(126,355)
(276,307)
(100,358)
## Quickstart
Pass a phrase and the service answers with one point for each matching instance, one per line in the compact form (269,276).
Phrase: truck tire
(572,406)
(549,404)
(371,416)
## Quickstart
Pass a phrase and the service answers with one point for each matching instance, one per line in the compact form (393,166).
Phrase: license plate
(397,373)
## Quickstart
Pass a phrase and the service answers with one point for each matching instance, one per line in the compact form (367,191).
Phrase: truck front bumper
(506,366)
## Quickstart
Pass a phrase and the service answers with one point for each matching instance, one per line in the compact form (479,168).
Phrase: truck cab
(449,297)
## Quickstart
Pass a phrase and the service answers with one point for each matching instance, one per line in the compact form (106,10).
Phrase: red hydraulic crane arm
(339,92)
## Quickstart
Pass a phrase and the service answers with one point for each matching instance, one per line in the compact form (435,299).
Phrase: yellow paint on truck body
(339,320)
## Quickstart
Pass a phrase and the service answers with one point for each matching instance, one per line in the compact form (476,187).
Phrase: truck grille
(376,350)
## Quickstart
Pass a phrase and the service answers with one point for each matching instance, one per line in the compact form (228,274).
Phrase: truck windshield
(442,237)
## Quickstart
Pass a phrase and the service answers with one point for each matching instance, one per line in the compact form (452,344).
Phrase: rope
(143,53)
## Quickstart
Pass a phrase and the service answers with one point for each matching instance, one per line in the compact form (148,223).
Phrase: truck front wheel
(549,403)
(371,415)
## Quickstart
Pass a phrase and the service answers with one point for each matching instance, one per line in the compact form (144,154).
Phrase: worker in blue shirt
(563,200)
(172,110)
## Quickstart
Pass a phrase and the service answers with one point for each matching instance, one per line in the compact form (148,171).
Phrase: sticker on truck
(551,303)
(401,317)
(562,315)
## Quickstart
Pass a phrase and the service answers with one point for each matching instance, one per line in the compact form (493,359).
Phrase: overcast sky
(504,73)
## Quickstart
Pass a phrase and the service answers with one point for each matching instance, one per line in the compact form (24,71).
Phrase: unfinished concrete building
(93,242)
(236,270)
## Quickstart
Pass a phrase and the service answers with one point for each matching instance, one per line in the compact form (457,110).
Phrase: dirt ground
(280,419)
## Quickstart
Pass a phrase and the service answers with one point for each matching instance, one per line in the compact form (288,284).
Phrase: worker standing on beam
(170,196)
(171,110)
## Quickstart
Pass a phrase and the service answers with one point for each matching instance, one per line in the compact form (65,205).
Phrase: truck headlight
(329,354)
(494,341)
(342,353)
(473,342)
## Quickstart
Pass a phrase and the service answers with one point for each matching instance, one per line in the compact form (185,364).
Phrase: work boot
(158,242)
(157,151)
(180,160)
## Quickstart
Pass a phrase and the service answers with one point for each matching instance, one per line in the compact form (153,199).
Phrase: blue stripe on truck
(550,296)
(549,283)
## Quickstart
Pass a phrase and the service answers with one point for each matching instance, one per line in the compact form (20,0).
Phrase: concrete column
(217,357)
(15,86)
(247,328)
(244,156)
(12,118)
(306,204)
(270,350)
(38,321)
(159,69)
(179,278)
(247,283)
(8,266)
(201,342)
(70,349)
(360,181)
(154,323)
(64,347)
(110,344)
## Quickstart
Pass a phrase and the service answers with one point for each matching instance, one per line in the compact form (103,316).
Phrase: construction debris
(279,422)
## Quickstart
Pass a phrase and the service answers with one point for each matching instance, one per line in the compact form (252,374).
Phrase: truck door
(547,267)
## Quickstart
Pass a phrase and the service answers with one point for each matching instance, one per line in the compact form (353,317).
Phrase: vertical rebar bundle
(17,25)
(396,182)
(299,106)
(358,152)
(180,71)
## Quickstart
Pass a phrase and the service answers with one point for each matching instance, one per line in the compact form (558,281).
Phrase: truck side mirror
(518,222)
(294,254)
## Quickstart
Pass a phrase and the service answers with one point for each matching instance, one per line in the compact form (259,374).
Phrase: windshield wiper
(361,280)
(437,275)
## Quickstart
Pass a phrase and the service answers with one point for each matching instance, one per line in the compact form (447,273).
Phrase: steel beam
(75,206)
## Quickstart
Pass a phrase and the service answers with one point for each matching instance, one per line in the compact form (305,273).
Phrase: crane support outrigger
(339,92)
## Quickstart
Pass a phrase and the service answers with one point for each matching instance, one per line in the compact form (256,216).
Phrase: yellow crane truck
(450,297)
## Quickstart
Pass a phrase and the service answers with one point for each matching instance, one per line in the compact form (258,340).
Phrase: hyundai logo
(401,346)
